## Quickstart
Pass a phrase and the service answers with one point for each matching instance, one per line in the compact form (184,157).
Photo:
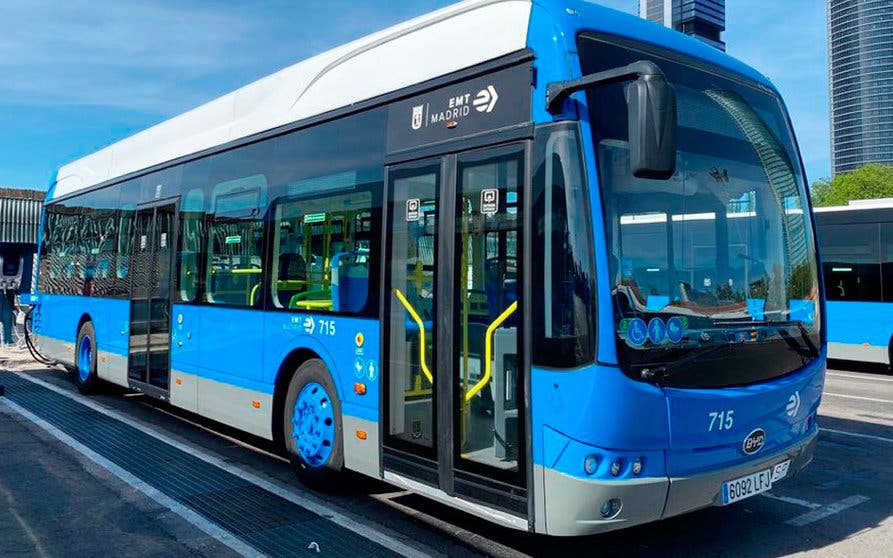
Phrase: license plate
(753,484)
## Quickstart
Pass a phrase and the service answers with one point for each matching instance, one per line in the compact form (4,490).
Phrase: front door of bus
(152,250)
(453,375)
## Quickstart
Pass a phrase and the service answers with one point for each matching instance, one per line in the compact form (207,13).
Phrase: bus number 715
(722,420)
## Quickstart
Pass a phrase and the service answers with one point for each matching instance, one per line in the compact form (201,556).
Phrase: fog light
(616,466)
(590,464)
(637,466)
(611,508)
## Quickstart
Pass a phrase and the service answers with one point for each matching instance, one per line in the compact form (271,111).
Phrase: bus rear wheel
(311,427)
(85,360)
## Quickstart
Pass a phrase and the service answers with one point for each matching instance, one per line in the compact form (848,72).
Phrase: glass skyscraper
(861,73)
(704,19)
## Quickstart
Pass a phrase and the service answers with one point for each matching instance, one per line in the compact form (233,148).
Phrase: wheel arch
(284,374)
(85,317)
(890,354)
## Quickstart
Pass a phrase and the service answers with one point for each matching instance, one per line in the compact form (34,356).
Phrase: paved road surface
(56,502)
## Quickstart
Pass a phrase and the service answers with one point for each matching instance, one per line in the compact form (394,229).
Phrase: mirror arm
(559,91)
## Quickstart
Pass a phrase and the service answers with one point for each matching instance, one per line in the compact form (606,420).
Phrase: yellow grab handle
(252,298)
(418,320)
(488,351)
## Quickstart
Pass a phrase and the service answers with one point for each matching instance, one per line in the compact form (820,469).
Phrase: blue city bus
(544,262)
(856,243)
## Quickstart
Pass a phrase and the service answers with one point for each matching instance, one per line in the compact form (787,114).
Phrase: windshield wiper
(811,350)
(661,374)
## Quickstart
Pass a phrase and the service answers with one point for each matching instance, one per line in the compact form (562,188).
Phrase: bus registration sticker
(753,484)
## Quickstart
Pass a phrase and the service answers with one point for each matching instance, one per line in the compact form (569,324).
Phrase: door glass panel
(160,284)
(150,271)
(411,305)
(141,264)
(486,334)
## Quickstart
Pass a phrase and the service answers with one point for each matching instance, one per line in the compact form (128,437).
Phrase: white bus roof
(450,39)
(857,205)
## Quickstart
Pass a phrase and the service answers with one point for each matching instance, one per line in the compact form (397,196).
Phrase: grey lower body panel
(113,368)
(859,353)
(573,505)
(55,349)
(361,454)
(701,491)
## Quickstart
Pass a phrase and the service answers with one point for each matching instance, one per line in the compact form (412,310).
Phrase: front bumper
(701,491)
(572,506)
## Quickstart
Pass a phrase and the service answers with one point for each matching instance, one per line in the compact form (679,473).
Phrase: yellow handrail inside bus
(252,298)
(488,351)
(418,320)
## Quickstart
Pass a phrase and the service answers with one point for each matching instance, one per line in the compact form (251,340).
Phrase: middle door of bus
(454,380)
(152,249)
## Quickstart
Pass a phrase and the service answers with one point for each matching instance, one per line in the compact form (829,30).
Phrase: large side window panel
(235,238)
(327,216)
(851,262)
(192,233)
(322,251)
(563,262)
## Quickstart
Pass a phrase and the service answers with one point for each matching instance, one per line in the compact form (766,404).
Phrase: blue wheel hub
(313,425)
(85,359)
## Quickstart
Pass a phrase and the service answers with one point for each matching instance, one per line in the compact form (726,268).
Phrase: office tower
(704,19)
(860,34)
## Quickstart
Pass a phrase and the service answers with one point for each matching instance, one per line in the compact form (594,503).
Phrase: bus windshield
(713,272)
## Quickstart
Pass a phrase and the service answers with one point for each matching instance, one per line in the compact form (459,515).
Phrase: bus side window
(563,261)
(234,271)
(322,247)
(192,235)
(852,262)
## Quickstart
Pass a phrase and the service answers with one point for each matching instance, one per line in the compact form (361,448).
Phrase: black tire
(890,357)
(87,382)
(325,474)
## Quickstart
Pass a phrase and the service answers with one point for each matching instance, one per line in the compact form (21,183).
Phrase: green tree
(865,183)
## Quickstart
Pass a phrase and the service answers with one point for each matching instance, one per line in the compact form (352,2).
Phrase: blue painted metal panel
(575,16)
(348,346)
(596,406)
(185,334)
(598,410)
(695,448)
(230,347)
(59,316)
(860,323)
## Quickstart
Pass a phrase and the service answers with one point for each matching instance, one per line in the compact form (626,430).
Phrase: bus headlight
(590,464)
(637,466)
(616,466)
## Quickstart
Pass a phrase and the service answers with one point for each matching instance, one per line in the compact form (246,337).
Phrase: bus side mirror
(651,103)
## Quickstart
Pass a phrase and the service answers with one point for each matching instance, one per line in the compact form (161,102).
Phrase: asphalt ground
(57,501)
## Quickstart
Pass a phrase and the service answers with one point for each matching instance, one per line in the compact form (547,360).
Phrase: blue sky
(81,74)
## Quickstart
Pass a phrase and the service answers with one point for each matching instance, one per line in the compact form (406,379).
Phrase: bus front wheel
(890,356)
(85,356)
(311,426)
